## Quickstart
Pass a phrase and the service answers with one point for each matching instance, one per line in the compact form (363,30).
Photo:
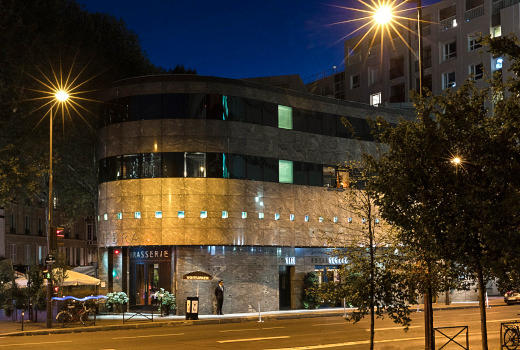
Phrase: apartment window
(448,80)
(476,71)
(397,93)
(244,215)
(276,216)
(396,67)
(180,214)
(120,216)
(372,75)
(27,224)
(474,43)
(447,17)
(355,81)
(105,216)
(285,171)
(137,215)
(496,31)
(449,50)
(306,219)
(285,117)
(40,226)
(89,232)
(13,223)
(12,253)
(497,63)
(194,164)
(224,214)
(203,214)
(375,99)
(260,215)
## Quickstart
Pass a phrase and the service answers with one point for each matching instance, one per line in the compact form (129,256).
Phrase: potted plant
(116,301)
(166,300)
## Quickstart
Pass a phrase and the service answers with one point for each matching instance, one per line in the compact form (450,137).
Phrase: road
(307,333)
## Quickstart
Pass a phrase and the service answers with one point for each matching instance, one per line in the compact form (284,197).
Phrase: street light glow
(383,14)
(61,95)
(456,161)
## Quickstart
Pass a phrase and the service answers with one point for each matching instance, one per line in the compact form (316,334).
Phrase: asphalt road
(307,333)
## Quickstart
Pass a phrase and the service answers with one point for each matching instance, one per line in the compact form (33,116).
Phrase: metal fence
(457,331)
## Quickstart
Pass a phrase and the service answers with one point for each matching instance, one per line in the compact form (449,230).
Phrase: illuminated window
(320,219)
(291,217)
(137,215)
(194,164)
(448,80)
(335,219)
(285,171)
(119,216)
(375,99)
(285,117)
(180,214)
(158,214)
(260,215)
(277,216)
(203,214)
(496,31)
(376,221)
(306,218)
(497,63)
(105,216)
(244,215)
(349,220)
(224,214)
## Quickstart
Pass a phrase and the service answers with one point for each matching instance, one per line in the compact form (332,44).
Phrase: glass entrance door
(147,282)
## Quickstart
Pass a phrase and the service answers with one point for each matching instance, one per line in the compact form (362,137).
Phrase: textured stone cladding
(193,195)
(250,276)
(189,135)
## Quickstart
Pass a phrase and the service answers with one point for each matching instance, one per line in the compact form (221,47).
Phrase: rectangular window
(276,216)
(375,99)
(449,50)
(180,214)
(105,217)
(476,71)
(306,218)
(355,81)
(137,215)
(120,216)
(158,214)
(224,214)
(285,117)
(203,214)
(372,75)
(329,176)
(27,224)
(194,164)
(474,43)
(260,215)
(448,80)
(89,231)
(396,67)
(496,31)
(497,63)
(397,93)
(285,171)
(244,215)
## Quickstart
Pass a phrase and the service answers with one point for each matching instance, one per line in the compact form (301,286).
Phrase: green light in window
(225,172)
(225,112)
(285,171)
(285,117)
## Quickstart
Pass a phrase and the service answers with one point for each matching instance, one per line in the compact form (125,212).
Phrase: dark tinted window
(300,173)
(270,114)
(173,164)
(130,167)
(254,168)
(214,107)
(315,173)
(237,166)
(150,165)
(215,165)
(271,169)
(236,109)
(329,125)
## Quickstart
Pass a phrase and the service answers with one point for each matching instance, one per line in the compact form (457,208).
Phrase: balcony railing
(448,23)
(498,5)
(474,13)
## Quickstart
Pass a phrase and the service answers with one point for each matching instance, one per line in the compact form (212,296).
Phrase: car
(512,297)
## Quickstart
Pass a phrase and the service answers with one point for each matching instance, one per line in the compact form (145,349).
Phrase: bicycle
(73,312)
(511,340)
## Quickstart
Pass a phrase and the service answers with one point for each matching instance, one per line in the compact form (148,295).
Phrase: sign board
(150,253)
(50,259)
(197,276)
(290,260)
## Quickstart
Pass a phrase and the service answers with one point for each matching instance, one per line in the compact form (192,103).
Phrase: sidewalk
(115,321)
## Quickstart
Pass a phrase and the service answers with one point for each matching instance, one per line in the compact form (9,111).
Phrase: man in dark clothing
(219,293)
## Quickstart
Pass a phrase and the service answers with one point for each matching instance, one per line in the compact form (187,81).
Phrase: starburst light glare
(383,14)
(456,161)
(61,95)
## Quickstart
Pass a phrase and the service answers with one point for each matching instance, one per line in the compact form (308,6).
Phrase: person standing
(219,294)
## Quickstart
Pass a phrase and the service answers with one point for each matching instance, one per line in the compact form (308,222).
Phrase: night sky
(237,39)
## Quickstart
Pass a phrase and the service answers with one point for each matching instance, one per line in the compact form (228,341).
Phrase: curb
(179,323)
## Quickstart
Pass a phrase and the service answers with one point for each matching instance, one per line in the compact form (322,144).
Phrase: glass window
(180,214)
(306,218)
(315,174)
(195,164)
(173,164)
(244,215)
(285,171)
(150,165)
(105,216)
(448,80)
(449,50)
(130,167)
(253,110)
(291,217)
(214,107)
(270,166)
(145,107)
(285,120)
(300,173)
(355,81)
(237,166)
(260,215)
(375,99)
(224,214)
(158,214)
(496,31)
(329,176)
(320,219)
(203,214)
(119,216)
(254,168)
(349,220)
(372,75)
(137,215)
(329,125)
(476,71)
(474,42)
(270,114)
(276,216)
(215,165)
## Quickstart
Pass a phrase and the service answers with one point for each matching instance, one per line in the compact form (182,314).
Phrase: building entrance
(284,283)
(150,270)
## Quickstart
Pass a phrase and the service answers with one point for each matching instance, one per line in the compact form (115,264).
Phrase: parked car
(512,298)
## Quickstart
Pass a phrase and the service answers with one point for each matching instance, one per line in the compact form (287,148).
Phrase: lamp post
(60,96)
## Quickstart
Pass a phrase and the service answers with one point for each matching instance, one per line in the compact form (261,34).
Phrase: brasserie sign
(150,253)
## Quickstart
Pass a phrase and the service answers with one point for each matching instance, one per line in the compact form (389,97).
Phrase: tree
(461,211)
(374,280)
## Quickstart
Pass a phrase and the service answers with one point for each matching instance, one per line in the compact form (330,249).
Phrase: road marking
(248,329)
(350,343)
(328,324)
(390,328)
(252,339)
(506,320)
(149,336)
(478,313)
(42,342)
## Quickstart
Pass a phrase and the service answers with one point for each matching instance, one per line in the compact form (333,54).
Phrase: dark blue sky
(237,38)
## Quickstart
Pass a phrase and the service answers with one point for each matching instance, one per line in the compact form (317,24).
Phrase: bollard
(259,314)
(23,313)
(344,309)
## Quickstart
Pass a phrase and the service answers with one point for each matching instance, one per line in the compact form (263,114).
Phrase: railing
(448,23)
(451,339)
(510,335)
(499,5)
(474,13)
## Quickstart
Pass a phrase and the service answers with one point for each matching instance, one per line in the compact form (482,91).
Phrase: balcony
(448,23)
(499,5)
(474,13)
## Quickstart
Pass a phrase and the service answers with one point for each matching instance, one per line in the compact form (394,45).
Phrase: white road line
(149,336)
(42,342)
(248,329)
(506,320)
(328,324)
(390,328)
(252,339)
(350,343)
